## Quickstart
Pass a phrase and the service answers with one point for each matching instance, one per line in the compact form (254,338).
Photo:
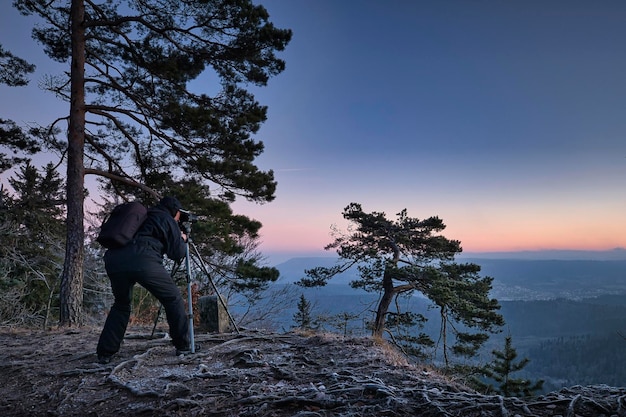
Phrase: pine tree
(502,368)
(408,255)
(303,316)
(133,119)
(32,236)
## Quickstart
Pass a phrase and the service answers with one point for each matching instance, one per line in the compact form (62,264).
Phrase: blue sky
(504,118)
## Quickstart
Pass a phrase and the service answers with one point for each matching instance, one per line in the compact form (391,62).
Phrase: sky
(506,119)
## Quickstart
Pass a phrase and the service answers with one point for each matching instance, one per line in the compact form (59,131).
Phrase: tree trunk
(444,333)
(71,291)
(383,306)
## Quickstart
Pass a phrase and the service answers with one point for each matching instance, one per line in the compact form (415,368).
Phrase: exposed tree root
(253,375)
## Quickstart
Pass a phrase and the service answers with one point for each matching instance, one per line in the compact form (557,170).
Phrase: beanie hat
(171,204)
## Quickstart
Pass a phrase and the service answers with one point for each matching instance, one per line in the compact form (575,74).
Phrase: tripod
(199,263)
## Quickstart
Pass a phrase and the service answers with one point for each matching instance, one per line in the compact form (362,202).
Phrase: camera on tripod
(186,219)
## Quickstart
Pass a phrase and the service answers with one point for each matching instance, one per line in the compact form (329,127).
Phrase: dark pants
(160,284)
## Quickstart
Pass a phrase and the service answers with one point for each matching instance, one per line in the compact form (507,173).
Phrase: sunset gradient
(507,119)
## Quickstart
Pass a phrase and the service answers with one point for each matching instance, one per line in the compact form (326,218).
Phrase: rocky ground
(55,373)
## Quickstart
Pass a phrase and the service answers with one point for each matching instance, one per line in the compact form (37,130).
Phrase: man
(141,261)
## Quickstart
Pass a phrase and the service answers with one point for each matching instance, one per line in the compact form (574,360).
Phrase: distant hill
(519,279)
(617,254)
(515,278)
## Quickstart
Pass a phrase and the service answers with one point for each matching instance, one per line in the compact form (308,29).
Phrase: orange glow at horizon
(565,232)
(472,240)
(486,221)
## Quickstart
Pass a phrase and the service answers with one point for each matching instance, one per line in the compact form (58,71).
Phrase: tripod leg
(156,320)
(190,301)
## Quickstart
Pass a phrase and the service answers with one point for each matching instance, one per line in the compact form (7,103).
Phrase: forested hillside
(571,342)
(579,360)
(518,279)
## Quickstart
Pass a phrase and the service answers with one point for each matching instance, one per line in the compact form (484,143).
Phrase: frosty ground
(55,373)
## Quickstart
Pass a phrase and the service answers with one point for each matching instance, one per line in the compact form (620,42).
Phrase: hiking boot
(104,359)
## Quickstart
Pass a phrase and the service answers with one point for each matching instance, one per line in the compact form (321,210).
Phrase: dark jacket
(159,235)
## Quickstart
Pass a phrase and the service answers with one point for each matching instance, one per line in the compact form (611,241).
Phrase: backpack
(122,224)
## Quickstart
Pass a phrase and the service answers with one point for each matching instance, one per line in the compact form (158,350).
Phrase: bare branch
(125,180)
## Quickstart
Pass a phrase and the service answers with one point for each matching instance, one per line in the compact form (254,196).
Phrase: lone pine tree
(400,257)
